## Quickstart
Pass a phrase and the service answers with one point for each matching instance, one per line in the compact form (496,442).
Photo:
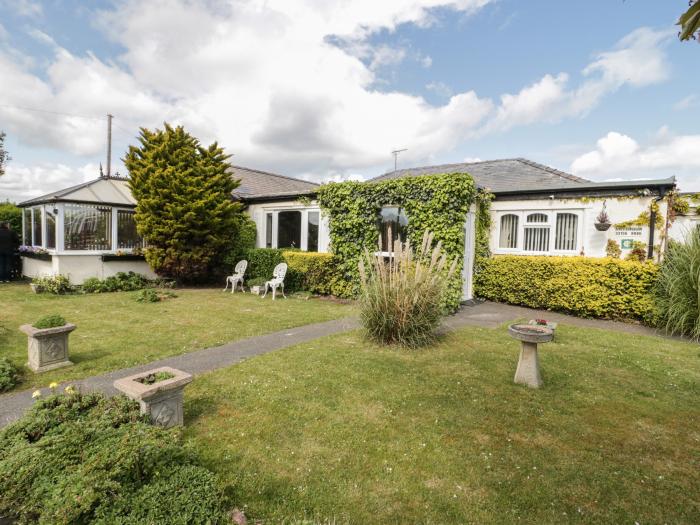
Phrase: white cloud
(691,101)
(621,156)
(22,182)
(425,61)
(26,8)
(637,60)
(439,88)
(270,82)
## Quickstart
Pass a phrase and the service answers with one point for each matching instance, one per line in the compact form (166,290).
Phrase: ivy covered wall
(438,203)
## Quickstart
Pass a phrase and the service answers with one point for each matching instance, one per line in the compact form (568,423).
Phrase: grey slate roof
(498,175)
(257,184)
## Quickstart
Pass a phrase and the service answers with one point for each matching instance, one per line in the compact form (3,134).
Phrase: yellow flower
(36,393)
(69,389)
(53,385)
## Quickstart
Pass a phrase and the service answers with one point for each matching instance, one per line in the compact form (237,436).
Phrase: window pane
(509,231)
(289,229)
(27,232)
(127,236)
(36,222)
(87,227)
(392,227)
(537,218)
(567,226)
(536,240)
(312,237)
(268,230)
(50,228)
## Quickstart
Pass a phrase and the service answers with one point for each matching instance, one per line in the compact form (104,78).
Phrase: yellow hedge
(588,287)
(318,273)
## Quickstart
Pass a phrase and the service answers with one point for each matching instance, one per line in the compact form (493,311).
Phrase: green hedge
(605,288)
(319,273)
(261,262)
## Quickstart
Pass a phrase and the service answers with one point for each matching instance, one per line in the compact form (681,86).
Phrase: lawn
(115,331)
(340,431)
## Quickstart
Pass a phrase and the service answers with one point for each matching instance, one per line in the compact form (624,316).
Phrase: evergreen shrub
(584,286)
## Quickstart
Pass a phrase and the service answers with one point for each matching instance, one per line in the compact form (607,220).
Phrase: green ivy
(438,203)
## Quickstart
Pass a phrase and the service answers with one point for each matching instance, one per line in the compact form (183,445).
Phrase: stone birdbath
(47,347)
(160,393)
(528,371)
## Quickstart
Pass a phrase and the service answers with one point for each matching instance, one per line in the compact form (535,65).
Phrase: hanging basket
(602,226)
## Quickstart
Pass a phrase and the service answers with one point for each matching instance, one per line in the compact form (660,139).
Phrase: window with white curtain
(508,239)
(566,229)
(537,228)
(87,227)
(538,232)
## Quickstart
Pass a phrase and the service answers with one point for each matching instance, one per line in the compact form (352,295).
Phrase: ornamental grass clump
(678,288)
(402,297)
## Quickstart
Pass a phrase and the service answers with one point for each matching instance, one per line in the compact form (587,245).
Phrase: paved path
(487,314)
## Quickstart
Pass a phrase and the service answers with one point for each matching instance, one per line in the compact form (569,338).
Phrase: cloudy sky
(326,89)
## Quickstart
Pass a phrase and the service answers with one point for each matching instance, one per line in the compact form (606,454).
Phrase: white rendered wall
(590,241)
(80,267)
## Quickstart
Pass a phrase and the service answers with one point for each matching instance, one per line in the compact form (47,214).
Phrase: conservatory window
(509,232)
(27,228)
(289,229)
(50,218)
(87,227)
(127,236)
(566,229)
(36,227)
(313,218)
(393,225)
(536,238)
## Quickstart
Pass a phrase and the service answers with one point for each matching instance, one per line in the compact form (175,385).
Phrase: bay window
(127,236)
(87,227)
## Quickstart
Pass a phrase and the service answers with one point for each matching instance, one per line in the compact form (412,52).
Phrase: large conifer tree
(184,207)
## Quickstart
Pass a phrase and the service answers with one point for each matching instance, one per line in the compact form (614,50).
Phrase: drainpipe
(652,222)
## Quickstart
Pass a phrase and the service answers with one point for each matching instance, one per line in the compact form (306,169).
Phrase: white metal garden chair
(237,277)
(277,280)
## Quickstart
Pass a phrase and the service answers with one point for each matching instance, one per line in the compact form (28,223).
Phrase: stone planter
(257,290)
(602,226)
(47,347)
(528,371)
(163,400)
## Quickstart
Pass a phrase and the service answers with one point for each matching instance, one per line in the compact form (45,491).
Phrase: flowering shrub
(55,284)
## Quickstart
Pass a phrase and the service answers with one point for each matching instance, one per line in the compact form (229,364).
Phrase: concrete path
(486,314)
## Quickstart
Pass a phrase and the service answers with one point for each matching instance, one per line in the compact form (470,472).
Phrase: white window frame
(275,211)
(551,224)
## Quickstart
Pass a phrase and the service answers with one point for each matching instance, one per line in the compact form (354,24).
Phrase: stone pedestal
(47,347)
(528,371)
(161,401)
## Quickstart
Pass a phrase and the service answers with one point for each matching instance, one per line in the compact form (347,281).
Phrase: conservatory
(83,231)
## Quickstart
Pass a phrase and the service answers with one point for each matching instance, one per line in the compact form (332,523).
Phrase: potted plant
(48,343)
(602,221)
(256,285)
(160,393)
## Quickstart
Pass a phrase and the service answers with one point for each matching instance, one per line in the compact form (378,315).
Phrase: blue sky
(601,88)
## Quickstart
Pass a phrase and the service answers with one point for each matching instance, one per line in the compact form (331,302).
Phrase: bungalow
(88,230)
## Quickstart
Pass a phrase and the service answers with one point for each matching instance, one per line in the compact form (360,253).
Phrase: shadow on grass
(197,407)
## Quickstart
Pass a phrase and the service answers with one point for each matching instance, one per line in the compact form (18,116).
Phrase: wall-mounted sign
(627,244)
(635,231)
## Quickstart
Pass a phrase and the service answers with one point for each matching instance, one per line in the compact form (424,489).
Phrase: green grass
(342,431)
(115,331)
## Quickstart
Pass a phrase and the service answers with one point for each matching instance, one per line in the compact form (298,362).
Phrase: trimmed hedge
(587,287)
(319,273)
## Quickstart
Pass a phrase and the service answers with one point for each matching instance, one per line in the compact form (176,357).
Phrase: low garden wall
(587,287)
